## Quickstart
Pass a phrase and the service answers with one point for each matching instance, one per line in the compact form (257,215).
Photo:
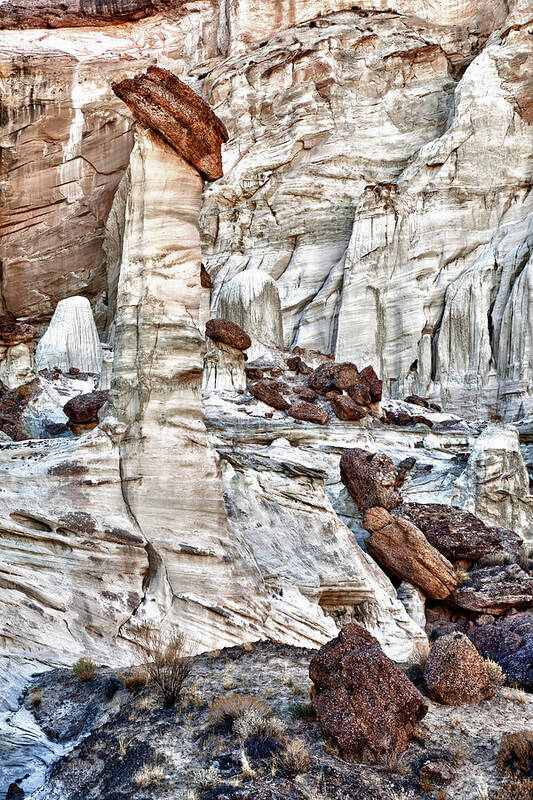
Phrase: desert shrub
(84,669)
(299,710)
(167,662)
(148,775)
(36,696)
(229,707)
(203,778)
(294,758)
(261,735)
(461,575)
(136,680)
(495,672)
(513,789)
(515,755)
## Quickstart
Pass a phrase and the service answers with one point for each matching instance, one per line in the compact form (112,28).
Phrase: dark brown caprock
(180,116)
(26,14)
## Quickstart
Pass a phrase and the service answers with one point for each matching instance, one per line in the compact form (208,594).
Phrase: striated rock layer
(20,14)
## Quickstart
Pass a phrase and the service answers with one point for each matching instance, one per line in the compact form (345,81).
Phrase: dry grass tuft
(295,758)
(203,779)
(149,775)
(84,669)
(168,663)
(229,707)
(495,672)
(136,680)
(514,789)
(515,756)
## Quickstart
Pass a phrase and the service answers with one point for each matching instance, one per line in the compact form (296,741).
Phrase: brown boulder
(371,479)
(12,405)
(495,642)
(494,590)
(269,392)
(205,278)
(414,399)
(333,376)
(309,413)
(167,105)
(360,393)
(254,373)
(17,333)
(296,364)
(227,332)
(83,409)
(455,533)
(305,393)
(362,700)
(344,407)
(403,550)
(374,384)
(455,674)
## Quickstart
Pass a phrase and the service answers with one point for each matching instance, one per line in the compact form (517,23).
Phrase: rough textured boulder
(309,413)
(83,409)
(403,550)
(269,392)
(298,365)
(455,673)
(371,479)
(223,330)
(515,755)
(360,392)
(362,700)
(305,393)
(16,333)
(20,14)
(495,642)
(375,385)
(494,590)
(345,408)
(455,533)
(181,117)
(12,405)
(330,376)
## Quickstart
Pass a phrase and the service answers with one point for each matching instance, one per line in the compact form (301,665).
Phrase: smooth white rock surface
(71,339)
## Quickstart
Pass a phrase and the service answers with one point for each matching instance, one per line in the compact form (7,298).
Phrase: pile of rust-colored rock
(313,395)
(13,403)
(470,573)
(406,418)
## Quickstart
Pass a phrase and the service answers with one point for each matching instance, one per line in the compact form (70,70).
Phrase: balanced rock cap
(160,100)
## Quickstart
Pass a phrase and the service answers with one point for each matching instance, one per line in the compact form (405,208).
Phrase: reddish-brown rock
(371,479)
(359,392)
(362,700)
(205,278)
(455,673)
(306,393)
(345,408)
(454,532)
(269,392)
(309,413)
(495,642)
(254,373)
(297,364)
(180,116)
(83,409)
(223,330)
(17,333)
(12,405)
(494,590)
(414,399)
(333,376)
(375,386)
(403,550)
(25,14)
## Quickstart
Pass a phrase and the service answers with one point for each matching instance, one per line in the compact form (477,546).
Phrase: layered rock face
(352,227)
